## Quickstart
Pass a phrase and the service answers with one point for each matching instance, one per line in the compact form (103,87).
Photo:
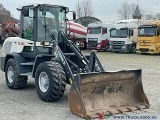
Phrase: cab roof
(128,21)
(39,3)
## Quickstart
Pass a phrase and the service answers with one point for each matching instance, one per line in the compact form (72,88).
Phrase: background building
(5,15)
(86,20)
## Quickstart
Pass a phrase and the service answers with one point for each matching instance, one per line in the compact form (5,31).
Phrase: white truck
(98,36)
(123,36)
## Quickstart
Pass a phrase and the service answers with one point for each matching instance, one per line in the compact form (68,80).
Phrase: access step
(26,74)
(28,63)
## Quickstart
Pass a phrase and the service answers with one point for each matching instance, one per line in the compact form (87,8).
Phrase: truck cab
(123,36)
(149,38)
(98,36)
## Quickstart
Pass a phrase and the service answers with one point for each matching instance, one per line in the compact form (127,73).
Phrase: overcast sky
(105,10)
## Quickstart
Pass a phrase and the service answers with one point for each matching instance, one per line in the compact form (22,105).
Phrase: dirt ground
(25,105)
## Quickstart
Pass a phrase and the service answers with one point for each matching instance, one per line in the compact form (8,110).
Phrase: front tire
(13,80)
(50,81)
(1,41)
(106,48)
(133,49)
(84,46)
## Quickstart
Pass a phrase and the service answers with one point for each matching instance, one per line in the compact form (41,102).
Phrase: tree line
(84,8)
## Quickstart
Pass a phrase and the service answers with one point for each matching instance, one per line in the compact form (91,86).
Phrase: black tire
(1,41)
(133,49)
(85,46)
(13,80)
(106,48)
(56,81)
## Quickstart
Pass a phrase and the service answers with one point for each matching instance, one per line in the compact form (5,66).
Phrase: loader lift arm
(85,65)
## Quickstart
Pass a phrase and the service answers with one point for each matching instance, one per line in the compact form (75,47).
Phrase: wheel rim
(43,82)
(10,74)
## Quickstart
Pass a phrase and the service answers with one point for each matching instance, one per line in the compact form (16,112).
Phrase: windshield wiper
(51,35)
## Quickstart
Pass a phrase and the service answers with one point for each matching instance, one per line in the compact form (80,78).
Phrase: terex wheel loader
(44,52)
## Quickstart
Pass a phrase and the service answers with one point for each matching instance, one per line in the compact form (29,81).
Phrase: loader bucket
(107,93)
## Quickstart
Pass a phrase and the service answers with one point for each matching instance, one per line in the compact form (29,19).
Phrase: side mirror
(158,31)
(41,7)
(25,11)
(104,30)
(71,15)
(74,15)
(130,33)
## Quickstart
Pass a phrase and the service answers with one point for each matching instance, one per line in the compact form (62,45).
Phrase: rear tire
(50,81)
(13,80)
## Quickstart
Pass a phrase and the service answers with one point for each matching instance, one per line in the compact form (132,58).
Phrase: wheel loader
(44,52)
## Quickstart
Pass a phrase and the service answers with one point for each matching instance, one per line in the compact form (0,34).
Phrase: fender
(18,59)
(39,59)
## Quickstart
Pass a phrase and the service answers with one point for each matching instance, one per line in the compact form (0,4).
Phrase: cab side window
(28,27)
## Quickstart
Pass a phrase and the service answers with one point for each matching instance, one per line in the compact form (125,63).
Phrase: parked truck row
(133,35)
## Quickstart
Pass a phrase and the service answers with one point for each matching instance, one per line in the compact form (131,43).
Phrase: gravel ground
(25,105)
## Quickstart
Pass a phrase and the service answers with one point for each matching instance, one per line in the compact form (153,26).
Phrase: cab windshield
(146,31)
(94,30)
(118,33)
(50,21)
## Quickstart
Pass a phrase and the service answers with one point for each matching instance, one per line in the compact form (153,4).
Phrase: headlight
(124,47)
(110,46)
(152,47)
(110,42)
(99,45)
(77,43)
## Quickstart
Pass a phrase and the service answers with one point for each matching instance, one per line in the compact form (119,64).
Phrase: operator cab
(41,22)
